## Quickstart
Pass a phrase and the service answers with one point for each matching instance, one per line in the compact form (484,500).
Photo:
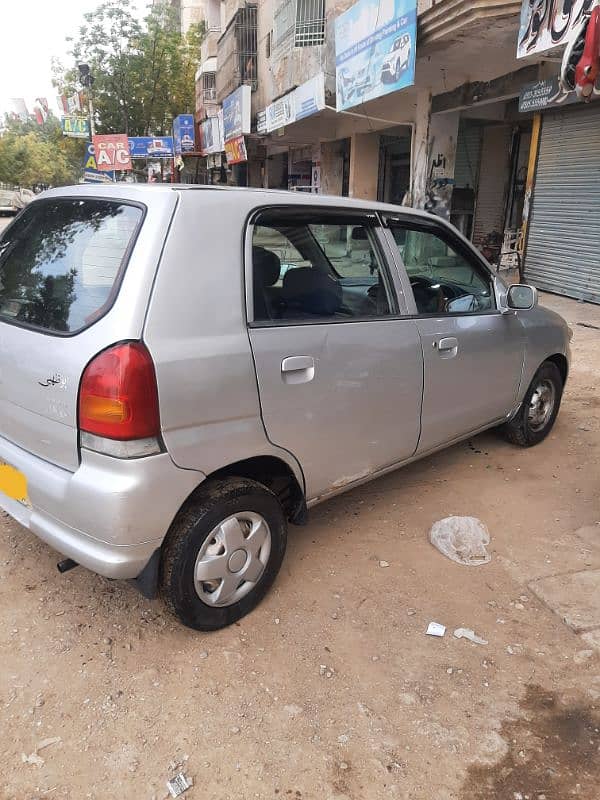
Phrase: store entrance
(394,166)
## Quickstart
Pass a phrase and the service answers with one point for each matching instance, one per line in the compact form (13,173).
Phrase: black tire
(216,501)
(519,430)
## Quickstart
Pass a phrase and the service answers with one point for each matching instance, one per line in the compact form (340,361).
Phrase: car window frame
(369,218)
(462,247)
(116,287)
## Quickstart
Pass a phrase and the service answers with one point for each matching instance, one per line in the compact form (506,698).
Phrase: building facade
(431,116)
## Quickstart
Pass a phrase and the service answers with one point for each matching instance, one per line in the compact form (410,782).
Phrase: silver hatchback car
(183,370)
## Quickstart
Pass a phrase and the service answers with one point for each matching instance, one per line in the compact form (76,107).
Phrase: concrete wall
(364,165)
(332,168)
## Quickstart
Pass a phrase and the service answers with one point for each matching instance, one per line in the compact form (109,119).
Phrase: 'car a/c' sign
(112,152)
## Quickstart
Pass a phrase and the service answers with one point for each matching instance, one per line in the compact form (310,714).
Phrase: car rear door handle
(298,369)
(449,343)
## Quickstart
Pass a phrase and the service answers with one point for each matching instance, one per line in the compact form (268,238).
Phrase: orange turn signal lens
(104,409)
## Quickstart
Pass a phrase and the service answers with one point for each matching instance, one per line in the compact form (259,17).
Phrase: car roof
(144,192)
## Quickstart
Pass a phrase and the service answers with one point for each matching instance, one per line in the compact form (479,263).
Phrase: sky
(33,31)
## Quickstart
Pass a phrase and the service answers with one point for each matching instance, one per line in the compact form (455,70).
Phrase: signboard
(236,113)
(375,48)
(183,134)
(211,136)
(112,152)
(281,113)
(235,150)
(91,173)
(309,97)
(544,94)
(151,146)
(77,127)
(547,25)
(74,103)
(261,121)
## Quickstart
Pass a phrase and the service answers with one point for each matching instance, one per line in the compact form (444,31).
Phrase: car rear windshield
(61,262)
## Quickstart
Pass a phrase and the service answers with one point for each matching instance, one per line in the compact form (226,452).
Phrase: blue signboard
(236,113)
(151,146)
(183,134)
(91,174)
(375,49)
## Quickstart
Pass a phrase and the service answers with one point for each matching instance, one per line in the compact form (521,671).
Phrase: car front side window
(444,279)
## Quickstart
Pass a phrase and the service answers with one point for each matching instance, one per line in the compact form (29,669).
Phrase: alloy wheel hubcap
(541,405)
(232,559)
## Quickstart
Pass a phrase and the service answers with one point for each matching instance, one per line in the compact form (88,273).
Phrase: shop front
(563,244)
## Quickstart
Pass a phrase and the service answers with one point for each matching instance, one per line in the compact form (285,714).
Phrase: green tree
(33,154)
(143,73)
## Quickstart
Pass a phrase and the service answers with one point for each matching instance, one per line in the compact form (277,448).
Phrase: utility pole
(87,79)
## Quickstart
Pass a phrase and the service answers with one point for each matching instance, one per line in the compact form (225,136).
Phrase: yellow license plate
(13,483)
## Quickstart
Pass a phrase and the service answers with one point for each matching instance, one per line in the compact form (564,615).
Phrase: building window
(310,23)
(209,87)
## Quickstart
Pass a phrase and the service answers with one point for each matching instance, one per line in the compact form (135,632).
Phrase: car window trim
(116,287)
(447,235)
(368,218)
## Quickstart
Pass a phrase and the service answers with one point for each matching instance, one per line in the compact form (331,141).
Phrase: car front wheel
(538,411)
(222,553)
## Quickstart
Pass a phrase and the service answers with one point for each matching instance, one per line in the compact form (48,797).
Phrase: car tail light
(118,396)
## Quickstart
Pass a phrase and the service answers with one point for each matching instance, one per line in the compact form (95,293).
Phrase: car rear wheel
(537,413)
(222,553)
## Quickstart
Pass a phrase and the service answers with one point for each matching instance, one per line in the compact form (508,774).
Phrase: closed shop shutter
(468,153)
(563,246)
(493,182)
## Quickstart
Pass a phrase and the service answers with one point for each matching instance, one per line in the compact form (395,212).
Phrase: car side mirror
(521,297)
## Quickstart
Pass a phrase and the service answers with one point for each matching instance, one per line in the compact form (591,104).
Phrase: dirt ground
(331,690)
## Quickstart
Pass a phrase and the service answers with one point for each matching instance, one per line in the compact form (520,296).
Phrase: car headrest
(310,290)
(266,266)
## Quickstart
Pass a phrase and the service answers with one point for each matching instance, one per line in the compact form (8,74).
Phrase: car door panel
(473,382)
(342,394)
(360,410)
(472,360)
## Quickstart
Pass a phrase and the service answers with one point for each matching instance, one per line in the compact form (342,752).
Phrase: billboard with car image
(375,47)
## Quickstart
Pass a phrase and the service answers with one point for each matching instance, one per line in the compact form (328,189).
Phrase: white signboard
(307,99)
(547,25)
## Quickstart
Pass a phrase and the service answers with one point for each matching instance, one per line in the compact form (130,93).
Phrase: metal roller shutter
(563,246)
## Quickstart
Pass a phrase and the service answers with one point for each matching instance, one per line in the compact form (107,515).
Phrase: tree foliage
(32,154)
(143,72)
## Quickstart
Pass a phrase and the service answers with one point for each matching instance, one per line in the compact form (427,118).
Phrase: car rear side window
(61,262)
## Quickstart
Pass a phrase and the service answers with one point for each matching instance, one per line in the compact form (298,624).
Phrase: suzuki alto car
(170,397)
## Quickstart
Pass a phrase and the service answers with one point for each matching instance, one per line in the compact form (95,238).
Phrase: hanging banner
(76,127)
(91,173)
(235,150)
(236,113)
(112,152)
(211,137)
(375,49)
(183,134)
(309,97)
(151,146)
(546,25)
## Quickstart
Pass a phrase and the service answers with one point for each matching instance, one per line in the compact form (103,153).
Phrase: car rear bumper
(110,515)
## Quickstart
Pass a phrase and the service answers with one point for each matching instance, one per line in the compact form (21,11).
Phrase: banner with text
(547,25)
(236,113)
(375,49)
(112,152)
(235,150)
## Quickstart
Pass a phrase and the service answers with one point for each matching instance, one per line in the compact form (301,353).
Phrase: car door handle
(449,343)
(298,369)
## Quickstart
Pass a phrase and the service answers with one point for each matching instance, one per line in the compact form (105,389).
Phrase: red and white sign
(235,150)
(112,152)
